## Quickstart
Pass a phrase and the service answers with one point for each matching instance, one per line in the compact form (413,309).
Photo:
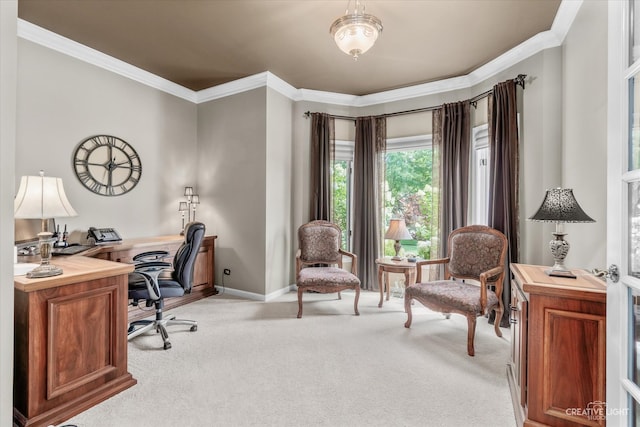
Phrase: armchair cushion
(321,241)
(458,296)
(474,253)
(326,276)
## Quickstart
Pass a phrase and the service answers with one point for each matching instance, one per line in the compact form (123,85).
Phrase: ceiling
(202,43)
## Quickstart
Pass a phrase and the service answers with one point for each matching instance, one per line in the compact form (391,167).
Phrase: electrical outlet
(227,272)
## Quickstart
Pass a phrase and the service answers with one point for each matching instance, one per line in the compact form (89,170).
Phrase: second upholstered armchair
(473,274)
(319,262)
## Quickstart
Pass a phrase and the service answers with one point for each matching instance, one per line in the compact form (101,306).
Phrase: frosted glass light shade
(356,32)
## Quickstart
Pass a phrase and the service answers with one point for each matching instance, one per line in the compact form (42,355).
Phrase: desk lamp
(42,197)
(182,208)
(397,231)
(560,206)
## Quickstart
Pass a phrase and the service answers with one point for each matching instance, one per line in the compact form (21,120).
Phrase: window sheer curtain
(322,156)
(368,196)
(503,178)
(452,141)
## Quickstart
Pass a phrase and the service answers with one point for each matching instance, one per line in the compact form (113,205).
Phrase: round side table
(387,265)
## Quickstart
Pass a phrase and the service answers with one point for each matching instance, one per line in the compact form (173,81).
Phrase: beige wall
(232,175)
(584,136)
(278,238)
(8,78)
(62,101)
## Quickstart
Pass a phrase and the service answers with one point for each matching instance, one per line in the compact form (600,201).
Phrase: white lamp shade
(397,230)
(41,197)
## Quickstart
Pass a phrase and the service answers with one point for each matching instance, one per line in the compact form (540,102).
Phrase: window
(408,191)
(479,173)
(342,184)
(408,186)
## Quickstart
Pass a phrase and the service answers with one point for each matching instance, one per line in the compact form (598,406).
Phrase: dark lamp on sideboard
(560,206)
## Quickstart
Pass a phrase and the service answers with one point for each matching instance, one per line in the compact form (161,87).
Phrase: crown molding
(562,23)
(546,40)
(245,84)
(51,40)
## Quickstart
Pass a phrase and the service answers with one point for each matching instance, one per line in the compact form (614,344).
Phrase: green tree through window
(341,198)
(408,184)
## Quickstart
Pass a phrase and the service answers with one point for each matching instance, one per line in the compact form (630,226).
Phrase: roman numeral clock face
(107,165)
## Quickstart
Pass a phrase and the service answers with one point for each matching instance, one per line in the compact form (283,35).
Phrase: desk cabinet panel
(70,348)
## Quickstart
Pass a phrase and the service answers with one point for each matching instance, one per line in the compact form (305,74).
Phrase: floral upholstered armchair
(475,252)
(319,262)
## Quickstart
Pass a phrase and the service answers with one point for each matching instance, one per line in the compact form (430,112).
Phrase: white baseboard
(256,297)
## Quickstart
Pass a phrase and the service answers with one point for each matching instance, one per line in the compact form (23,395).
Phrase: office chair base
(160,326)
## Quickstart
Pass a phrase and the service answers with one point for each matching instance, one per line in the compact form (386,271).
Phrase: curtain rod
(519,80)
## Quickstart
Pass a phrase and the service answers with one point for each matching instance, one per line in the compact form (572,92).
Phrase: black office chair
(154,279)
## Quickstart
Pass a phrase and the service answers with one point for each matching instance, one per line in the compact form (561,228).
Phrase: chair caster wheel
(167,345)
(194,328)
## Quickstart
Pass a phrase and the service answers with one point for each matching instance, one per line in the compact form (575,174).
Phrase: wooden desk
(204,270)
(70,340)
(386,265)
(558,347)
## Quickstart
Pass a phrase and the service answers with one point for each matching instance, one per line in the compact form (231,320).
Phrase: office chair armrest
(150,278)
(152,266)
(150,256)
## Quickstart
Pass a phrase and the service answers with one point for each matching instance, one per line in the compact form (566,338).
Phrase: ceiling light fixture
(356,32)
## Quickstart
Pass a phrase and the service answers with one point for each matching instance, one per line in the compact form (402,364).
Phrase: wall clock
(107,165)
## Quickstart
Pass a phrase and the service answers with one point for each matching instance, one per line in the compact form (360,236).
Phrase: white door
(623,215)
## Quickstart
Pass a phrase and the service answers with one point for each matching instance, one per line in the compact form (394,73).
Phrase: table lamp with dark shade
(397,231)
(42,197)
(560,206)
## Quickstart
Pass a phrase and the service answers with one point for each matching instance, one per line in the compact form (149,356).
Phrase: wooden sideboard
(70,340)
(558,358)
(203,276)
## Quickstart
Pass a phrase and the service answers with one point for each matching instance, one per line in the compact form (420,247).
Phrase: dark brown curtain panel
(452,136)
(368,170)
(322,155)
(503,178)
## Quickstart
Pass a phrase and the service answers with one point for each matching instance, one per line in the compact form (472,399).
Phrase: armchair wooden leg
(496,322)
(300,302)
(407,309)
(355,302)
(471,321)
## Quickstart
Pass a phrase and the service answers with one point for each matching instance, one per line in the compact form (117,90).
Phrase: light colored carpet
(255,364)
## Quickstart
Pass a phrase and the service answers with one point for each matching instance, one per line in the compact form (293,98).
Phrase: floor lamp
(42,197)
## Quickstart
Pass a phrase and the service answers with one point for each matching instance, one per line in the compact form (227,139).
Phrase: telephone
(104,235)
